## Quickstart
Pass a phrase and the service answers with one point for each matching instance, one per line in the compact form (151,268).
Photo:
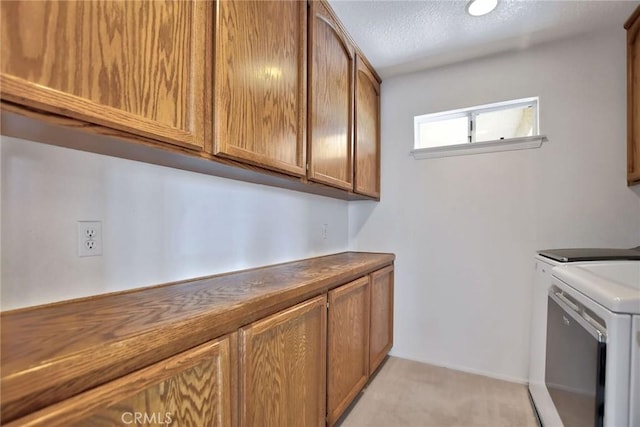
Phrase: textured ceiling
(405,36)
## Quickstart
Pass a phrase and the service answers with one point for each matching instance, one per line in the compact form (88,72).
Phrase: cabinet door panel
(193,388)
(136,66)
(348,345)
(633,99)
(367,132)
(330,101)
(282,368)
(381,316)
(260,81)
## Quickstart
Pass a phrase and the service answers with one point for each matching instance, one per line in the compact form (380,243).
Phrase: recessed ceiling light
(481,7)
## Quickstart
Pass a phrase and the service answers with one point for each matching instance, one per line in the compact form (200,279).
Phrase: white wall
(159,224)
(465,229)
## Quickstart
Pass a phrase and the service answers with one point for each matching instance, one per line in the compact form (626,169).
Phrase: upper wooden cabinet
(282,368)
(260,83)
(633,98)
(381,330)
(330,125)
(136,66)
(194,388)
(367,131)
(210,86)
(348,346)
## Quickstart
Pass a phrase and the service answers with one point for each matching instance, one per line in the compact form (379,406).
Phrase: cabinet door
(330,100)
(260,83)
(348,345)
(194,388)
(135,66)
(633,98)
(381,316)
(282,368)
(367,132)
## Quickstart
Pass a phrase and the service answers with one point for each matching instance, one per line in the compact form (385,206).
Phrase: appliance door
(634,398)
(575,361)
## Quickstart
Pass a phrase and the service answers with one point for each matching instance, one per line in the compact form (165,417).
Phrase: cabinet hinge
(327,304)
(307,166)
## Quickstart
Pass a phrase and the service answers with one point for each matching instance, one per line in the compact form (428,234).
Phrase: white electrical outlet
(325,231)
(89,238)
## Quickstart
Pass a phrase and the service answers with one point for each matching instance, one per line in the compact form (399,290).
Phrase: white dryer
(538,371)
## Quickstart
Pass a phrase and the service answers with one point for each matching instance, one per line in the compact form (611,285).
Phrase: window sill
(524,143)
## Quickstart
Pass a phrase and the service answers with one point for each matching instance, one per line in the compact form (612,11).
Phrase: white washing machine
(545,404)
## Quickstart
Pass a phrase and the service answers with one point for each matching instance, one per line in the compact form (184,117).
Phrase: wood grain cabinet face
(633,98)
(194,388)
(381,336)
(134,66)
(367,132)
(260,83)
(282,368)
(348,345)
(331,63)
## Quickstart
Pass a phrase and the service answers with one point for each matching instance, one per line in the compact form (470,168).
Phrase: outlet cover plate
(89,238)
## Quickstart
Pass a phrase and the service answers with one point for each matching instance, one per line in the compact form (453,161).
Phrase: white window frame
(471,146)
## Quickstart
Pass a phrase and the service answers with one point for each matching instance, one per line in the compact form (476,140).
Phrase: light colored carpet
(413,394)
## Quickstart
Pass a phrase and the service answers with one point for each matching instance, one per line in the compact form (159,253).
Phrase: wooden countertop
(52,352)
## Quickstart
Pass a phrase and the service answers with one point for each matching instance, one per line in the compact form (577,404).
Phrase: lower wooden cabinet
(381,329)
(283,381)
(300,367)
(348,345)
(193,388)
(282,368)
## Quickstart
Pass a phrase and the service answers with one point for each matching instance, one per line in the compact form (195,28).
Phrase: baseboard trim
(494,375)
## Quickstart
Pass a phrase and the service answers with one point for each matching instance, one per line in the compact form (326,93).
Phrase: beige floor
(413,394)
